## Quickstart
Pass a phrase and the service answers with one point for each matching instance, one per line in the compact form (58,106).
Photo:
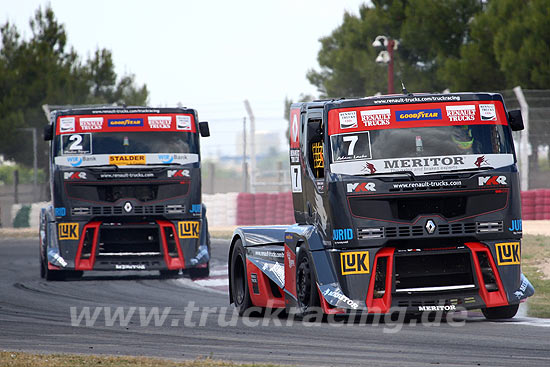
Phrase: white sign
(66,124)
(183,122)
(348,119)
(296,178)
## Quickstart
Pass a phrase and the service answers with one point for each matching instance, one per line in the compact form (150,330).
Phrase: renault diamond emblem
(128,207)
(430,226)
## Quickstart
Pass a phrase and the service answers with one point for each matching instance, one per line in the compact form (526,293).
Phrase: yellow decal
(356,262)
(67,231)
(124,160)
(188,229)
(508,253)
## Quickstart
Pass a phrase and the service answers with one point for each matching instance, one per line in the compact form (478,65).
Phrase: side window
(315,148)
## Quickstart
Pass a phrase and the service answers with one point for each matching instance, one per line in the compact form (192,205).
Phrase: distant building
(267,142)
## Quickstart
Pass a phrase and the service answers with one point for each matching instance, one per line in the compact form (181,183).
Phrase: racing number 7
(352,141)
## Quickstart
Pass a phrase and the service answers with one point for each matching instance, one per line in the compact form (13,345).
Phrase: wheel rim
(239,279)
(303,280)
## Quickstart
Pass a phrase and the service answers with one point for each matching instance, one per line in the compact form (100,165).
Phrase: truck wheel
(306,285)
(503,312)
(167,274)
(239,281)
(197,273)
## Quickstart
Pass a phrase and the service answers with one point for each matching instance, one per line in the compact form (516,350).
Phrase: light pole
(386,56)
(34,161)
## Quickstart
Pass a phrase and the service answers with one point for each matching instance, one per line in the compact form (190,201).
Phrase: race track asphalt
(35,315)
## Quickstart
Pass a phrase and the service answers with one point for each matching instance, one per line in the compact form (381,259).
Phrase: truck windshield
(126,143)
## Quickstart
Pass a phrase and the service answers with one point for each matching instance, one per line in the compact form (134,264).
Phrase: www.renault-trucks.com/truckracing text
(126,192)
(405,202)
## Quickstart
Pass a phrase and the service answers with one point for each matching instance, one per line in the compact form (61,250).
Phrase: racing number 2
(76,142)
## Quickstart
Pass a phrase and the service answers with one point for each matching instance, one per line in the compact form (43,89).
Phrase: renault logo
(128,207)
(430,226)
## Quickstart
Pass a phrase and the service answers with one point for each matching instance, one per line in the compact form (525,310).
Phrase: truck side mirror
(48,132)
(204,129)
(515,120)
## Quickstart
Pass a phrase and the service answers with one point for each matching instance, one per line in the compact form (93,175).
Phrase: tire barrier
(535,204)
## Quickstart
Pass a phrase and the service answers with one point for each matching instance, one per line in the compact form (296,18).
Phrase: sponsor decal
(254,280)
(290,259)
(341,297)
(461,113)
(376,117)
(437,308)
(294,156)
(487,112)
(430,226)
(508,253)
(177,173)
(492,181)
(166,158)
(525,289)
(74,175)
(196,209)
(67,231)
(60,212)
(342,234)
(130,266)
(416,115)
(295,128)
(423,162)
(516,226)
(183,122)
(74,161)
(91,123)
(351,146)
(159,122)
(66,124)
(125,160)
(369,167)
(188,229)
(122,175)
(267,253)
(125,122)
(427,184)
(276,269)
(361,187)
(481,161)
(348,119)
(356,262)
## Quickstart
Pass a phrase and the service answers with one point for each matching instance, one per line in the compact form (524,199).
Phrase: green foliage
(25,175)
(457,44)
(44,70)
(21,219)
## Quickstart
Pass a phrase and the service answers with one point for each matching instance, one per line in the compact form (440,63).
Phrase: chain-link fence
(538,134)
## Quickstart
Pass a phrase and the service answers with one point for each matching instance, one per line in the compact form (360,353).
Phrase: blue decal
(60,212)
(74,161)
(196,209)
(342,234)
(516,226)
(125,122)
(166,158)
(417,115)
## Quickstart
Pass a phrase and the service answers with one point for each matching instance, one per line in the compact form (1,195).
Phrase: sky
(209,55)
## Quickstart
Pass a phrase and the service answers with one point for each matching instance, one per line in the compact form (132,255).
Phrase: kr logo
(508,253)
(178,173)
(361,187)
(188,229)
(68,231)
(356,262)
(74,175)
(492,180)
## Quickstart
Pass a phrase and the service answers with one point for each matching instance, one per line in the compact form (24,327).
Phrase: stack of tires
(245,209)
(528,205)
(542,204)
(262,212)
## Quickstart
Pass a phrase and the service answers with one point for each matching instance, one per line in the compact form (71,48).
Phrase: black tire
(238,279)
(167,274)
(197,273)
(306,285)
(42,268)
(503,312)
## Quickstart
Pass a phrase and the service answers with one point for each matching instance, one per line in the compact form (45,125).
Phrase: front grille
(129,240)
(119,210)
(442,230)
(111,193)
(434,270)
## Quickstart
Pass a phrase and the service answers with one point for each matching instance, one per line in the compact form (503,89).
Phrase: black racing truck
(406,202)
(126,192)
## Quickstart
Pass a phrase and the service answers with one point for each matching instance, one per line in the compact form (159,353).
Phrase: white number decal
(76,142)
(353,140)
(296,178)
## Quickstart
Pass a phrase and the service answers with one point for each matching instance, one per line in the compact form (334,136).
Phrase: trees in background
(456,44)
(45,70)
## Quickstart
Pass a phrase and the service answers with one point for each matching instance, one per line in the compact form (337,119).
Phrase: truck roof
(101,109)
(399,99)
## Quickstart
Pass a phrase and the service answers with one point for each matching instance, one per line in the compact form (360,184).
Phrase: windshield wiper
(484,168)
(114,166)
(410,174)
